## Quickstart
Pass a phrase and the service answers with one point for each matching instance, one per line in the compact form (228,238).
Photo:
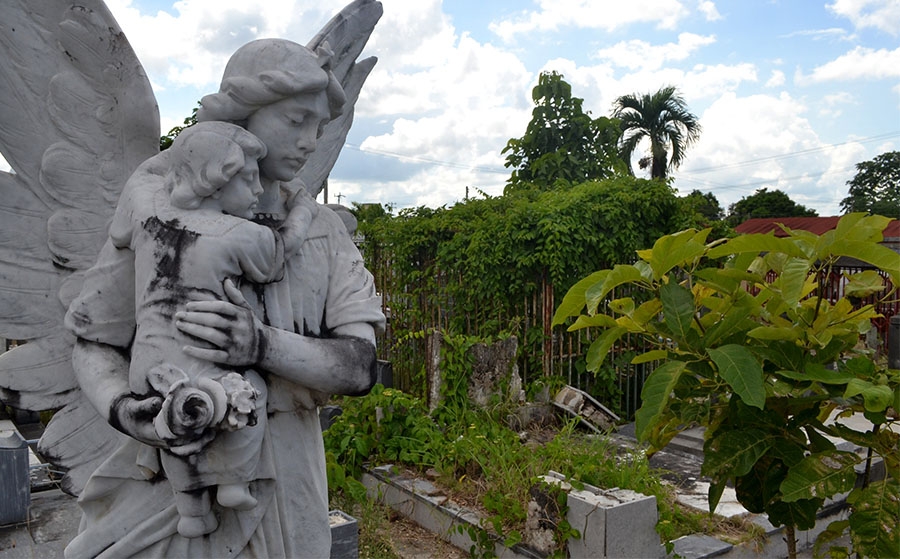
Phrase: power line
(884,136)
(721,186)
(426,160)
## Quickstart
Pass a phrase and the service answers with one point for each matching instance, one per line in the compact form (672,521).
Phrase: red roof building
(817,225)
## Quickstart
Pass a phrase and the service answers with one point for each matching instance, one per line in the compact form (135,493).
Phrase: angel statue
(80,130)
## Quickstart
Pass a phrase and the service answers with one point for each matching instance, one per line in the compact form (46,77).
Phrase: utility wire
(426,160)
(780,156)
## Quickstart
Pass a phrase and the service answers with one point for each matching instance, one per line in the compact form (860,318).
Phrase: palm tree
(664,119)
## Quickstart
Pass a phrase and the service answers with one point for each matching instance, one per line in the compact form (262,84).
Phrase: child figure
(187,239)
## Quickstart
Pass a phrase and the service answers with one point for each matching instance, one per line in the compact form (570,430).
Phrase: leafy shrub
(752,347)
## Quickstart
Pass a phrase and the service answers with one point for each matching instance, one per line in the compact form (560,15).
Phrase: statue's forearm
(344,364)
(102,373)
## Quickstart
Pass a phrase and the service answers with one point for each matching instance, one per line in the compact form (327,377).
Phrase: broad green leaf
(714,495)
(820,476)
(678,308)
(619,275)
(596,321)
(653,355)
(789,333)
(734,321)
(733,453)
(801,514)
(861,227)
(600,347)
(728,279)
(825,541)
(655,395)
(877,255)
(876,397)
(624,306)
(645,270)
(817,373)
(574,300)
(677,250)
(742,372)
(793,280)
(817,441)
(864,284)
(647,311)
(875,519)
(757,243)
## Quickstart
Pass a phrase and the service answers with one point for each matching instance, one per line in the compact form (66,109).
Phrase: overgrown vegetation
(487,266)
(752,347)
(480,460)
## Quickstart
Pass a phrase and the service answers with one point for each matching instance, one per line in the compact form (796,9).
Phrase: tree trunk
(790,536)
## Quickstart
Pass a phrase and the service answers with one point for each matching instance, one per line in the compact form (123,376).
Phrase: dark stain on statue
(172,242)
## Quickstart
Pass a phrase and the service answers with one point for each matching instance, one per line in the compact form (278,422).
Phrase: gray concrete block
(344,535)
(613,523)
(697,546)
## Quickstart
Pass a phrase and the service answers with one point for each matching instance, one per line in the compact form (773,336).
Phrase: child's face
(240,195)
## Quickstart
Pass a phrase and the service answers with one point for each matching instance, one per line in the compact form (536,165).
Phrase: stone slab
(699,546)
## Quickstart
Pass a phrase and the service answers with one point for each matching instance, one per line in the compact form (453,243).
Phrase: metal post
(15,483)
(894,343)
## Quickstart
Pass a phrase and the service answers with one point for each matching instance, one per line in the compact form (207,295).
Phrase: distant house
(817,225)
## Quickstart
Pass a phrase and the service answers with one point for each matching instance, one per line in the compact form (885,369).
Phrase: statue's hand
(134,417)
(230,326)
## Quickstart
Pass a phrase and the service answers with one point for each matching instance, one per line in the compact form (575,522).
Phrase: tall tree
(562,141)
(662,118)
(764,203)
(705,204)
(876,187)
(165,142)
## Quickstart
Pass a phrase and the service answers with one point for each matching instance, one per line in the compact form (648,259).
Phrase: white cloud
(880,14)
(776,79)
(832,104)
(190,46)
(764,141)
(609,15)
(817,34)
(709,10)
(859,63)
(636,54)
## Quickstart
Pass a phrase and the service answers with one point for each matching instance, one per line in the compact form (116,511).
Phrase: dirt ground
(411,541)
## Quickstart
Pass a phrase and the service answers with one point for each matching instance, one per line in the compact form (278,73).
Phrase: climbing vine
(483,266)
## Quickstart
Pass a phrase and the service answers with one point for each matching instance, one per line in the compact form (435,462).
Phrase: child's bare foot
(235,496)
(196,526)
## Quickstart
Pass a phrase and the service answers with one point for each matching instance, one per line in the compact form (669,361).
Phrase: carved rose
(193,405)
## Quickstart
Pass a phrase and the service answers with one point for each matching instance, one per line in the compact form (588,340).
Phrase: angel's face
(290,128)
(240,195)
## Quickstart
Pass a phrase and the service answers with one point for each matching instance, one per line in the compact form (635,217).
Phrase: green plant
(751,347)
(387,425)
(484,266)
(562,145)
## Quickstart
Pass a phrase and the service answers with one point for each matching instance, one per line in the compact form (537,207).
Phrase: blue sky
(790,94)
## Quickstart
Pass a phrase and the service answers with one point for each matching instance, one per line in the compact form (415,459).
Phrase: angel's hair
(204,157)
(266,71)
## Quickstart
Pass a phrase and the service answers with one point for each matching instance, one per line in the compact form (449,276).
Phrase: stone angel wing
(346,35)
(77,116)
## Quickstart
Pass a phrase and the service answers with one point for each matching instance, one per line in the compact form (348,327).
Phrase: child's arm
(294,229)
(260,251)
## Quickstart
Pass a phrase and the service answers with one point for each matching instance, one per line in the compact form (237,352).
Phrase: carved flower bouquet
(192,405)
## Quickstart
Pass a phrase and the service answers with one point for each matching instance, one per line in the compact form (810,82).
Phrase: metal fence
(544,351)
